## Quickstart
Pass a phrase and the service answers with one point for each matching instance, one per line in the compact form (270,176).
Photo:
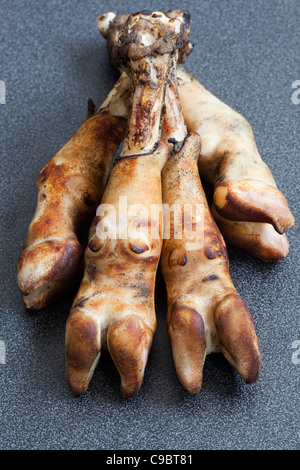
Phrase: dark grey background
(52,59)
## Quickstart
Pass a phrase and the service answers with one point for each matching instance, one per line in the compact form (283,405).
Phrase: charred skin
(114,307)
(244,188)
(205,312)
(69,189)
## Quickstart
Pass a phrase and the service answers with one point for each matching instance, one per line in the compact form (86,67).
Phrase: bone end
(103,22)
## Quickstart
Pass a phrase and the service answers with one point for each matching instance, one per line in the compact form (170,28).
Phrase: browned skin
(258,239)
(218,123)
(205,312)
(114,307)
(69,189)
(244,188)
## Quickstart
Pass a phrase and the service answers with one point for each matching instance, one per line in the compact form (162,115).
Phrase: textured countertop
(52,59)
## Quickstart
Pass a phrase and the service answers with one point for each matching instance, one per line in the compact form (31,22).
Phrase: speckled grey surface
(52,59)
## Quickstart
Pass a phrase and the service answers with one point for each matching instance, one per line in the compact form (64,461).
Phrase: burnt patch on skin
(86,326)
(55,174)
(220,178)
(213,277)
(125,169)
(145,120)
(150,260)
(176,146)
(145,291)
(107,128)
(138,248)
(88,198)
(81,302)
(95,244)
(119,267)
(134,157)
(213,250)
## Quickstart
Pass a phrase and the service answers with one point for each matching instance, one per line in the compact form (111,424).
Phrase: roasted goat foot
(114,306)
(222,136)
(205,312)
(244,188)
(69,190)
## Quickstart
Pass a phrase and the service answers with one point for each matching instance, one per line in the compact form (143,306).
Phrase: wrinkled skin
(69,190)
